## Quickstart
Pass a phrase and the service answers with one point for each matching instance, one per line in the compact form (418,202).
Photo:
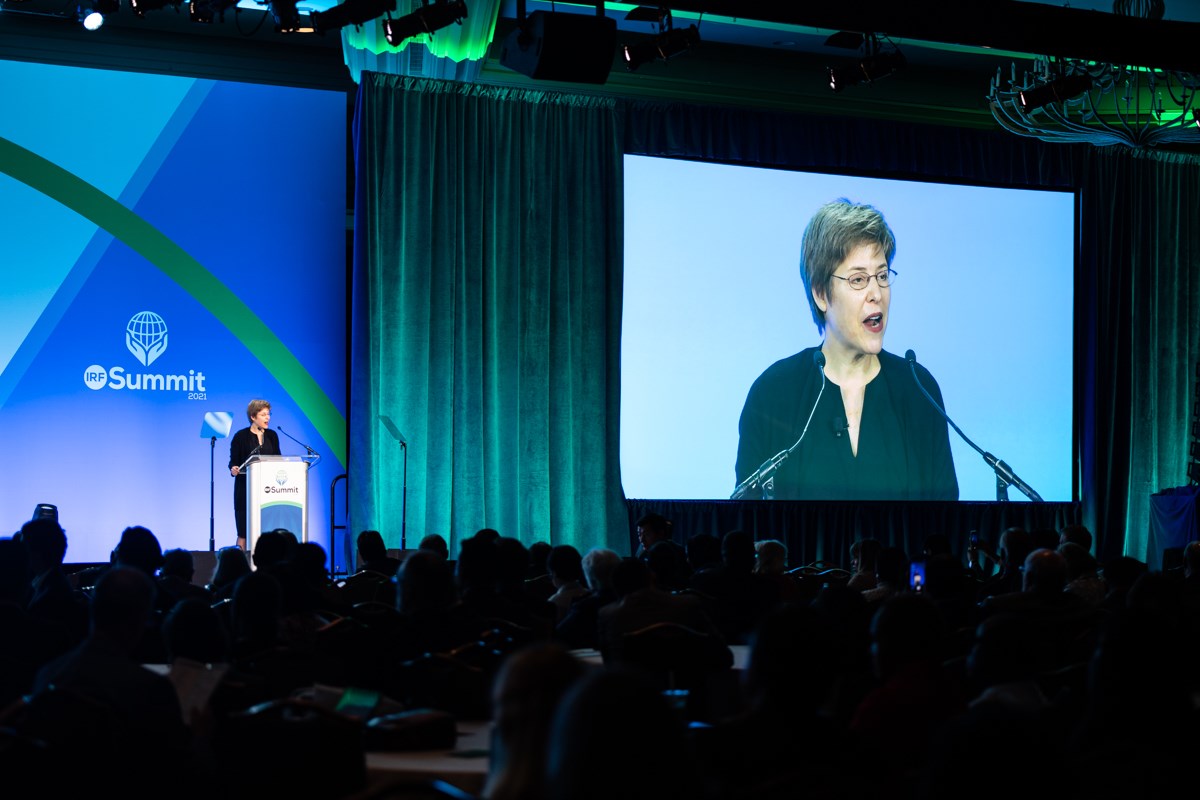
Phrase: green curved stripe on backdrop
(142,237)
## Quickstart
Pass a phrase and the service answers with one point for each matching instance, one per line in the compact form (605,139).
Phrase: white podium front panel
(277,488)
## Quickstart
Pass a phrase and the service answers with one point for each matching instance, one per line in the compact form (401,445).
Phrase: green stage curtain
(486,318)
(1140,306)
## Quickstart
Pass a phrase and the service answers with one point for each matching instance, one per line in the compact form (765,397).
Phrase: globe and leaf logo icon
(146,337)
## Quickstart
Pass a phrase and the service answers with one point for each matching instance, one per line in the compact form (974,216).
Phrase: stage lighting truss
(667,43)
(876,63)
(1073,100)
(427,19)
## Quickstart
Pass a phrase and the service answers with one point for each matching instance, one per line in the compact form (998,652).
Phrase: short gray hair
(598,566)
(835,230)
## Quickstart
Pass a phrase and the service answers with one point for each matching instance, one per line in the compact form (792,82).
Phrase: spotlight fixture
(351,12)
(874,65)
(92,13)
(555,46)
(667,43)
(287,17)
(140,7)
(428,18)
(205,11)
(1055,91)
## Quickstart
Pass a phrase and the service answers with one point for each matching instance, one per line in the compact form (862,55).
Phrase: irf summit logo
(146,339)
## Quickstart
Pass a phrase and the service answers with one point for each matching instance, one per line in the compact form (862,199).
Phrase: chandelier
(1066,100)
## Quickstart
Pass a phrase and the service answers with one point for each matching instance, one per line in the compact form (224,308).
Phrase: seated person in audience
(739,598)
(652,528)
(432,619)
(372,554)
(1119,575)
(52,601)
(519,607)
(538,582)
(1076,534)
(435,543)
(231,565)
(528,689)
(1043,588)
(1015,545)
(615,737)
(862,564)
(780,744)
(579,628)
(175,579)
(891,576)
(1004,662)
(640,604)
(770,561)
(565,567)
(102,669)
(139,549)
(668,562)
(703,551)
(1083,578)
(915,695)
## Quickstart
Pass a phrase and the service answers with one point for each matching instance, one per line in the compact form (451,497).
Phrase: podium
(276,496)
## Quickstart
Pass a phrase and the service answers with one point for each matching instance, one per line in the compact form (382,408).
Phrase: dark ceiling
(766,54)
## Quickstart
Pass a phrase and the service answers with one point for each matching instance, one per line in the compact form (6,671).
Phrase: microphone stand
(212,520)
(310,451)
(403,442)
(762,477)
(1005,477)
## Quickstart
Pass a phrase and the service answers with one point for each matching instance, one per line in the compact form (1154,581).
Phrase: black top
(242,444)
(903,443)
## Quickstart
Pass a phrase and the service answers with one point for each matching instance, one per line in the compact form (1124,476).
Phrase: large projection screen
(713,296)
(171,247)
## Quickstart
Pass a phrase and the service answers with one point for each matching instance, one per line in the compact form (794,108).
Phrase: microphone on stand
(310,451)
(764,473)
(1004,474)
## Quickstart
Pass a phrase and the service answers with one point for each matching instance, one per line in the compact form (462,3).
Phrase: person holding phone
(862,427)
(256,440)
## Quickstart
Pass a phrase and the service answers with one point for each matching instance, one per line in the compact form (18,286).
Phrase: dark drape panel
(1139,257)
(1136,332)
(487,290)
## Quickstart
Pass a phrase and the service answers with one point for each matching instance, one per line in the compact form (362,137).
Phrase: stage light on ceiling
(140,7)
(92,14)
(428,18)
(351,12)
(1056,91)
(556,46)
(205,11)
(875,64)
(287,17)
(667,43)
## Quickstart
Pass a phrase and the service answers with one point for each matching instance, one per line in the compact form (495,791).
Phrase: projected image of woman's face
(855,319)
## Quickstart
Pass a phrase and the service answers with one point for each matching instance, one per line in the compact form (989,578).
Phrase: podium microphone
(764,473)
(310,451)
(1004,474)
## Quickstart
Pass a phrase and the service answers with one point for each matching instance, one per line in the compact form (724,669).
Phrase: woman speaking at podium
(256,440)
